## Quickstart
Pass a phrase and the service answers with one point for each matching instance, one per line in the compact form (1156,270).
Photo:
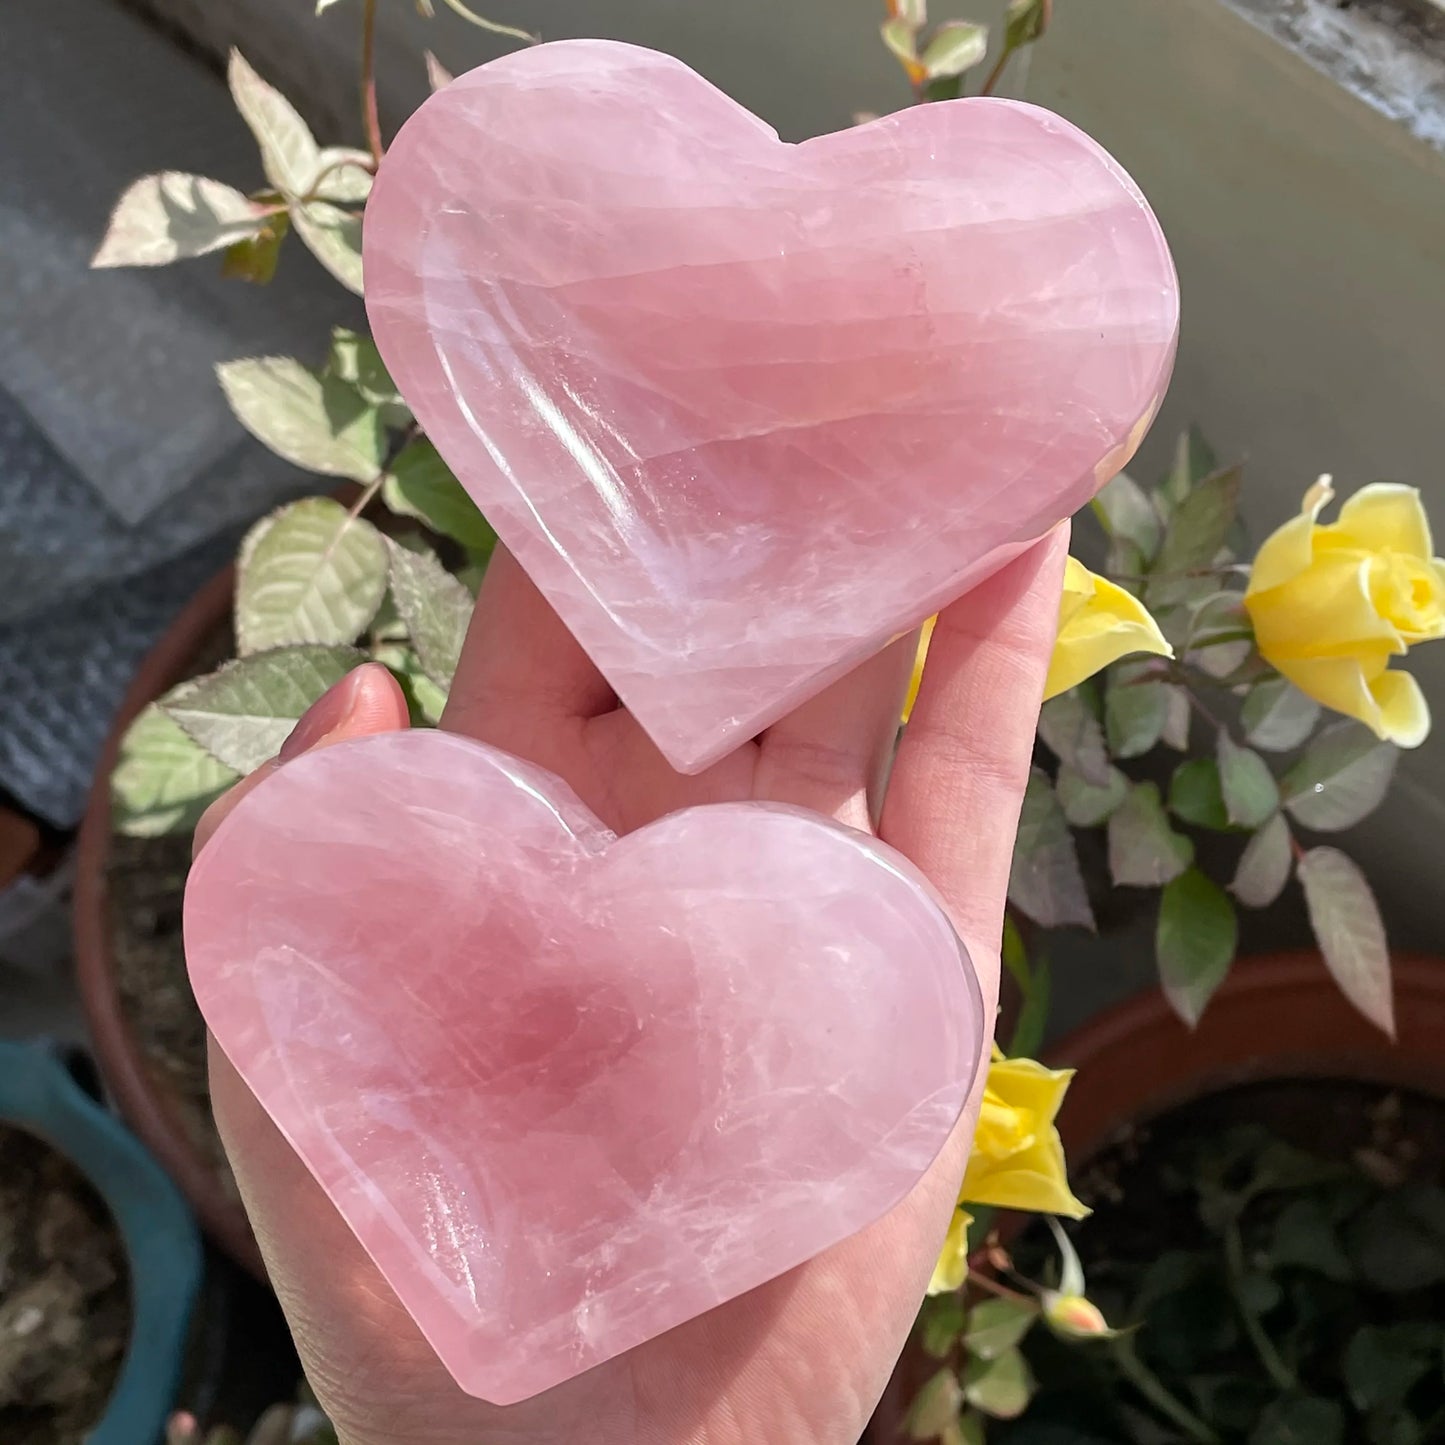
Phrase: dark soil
(64,1297)
(146,879)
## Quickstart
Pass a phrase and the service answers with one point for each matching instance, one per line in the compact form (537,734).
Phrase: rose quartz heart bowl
(569,1090)
(744,410)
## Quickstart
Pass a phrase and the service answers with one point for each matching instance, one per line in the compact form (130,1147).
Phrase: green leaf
(254,258)
(1025,21)
(1196,794)
(242,714)
(343,174)
(1126,512)
(1264,866)
(173,216)
(425,701)
(1341,778)
(997,1325)
(321,425)
(901,38)
(941,1323)
(1218,617)
(1045,883)
(1277,716)
(1301,1420)
(1305,1238)
(1069,728)
(163,780)
(1196,532)
(1086,805)
(935,1406)
(289,153)
(437,74)
(436,609)
(1177,714)
(324,5)
(1246,783)
(971,1430)
(1001,1386)
(1350,932)
(1144,851)
(421,485)
(333,236)
(1383,1363)
(1134,713)
(1398,1242)
(311,573)
(355,360)
(912,12)
(956,46)
(1194,459)
(1033,1016)
(1194,943)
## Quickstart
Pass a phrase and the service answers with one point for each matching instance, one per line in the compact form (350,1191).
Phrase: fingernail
(328,713)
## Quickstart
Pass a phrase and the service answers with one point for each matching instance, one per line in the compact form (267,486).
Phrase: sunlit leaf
(333,236)
(242,714)
(173,216)
(301,418)
(289,153)
(420,484)
(163,779)
(956,46)
(313,573)
(436,609)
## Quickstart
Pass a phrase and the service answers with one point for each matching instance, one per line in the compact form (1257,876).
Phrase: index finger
(952,805)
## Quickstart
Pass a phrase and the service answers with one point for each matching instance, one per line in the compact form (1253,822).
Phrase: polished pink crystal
(571,1090)
(745,410)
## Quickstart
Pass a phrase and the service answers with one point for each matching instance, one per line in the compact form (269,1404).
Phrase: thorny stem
(369,116)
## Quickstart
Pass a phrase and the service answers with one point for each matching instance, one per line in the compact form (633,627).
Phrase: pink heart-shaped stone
(571,1090)
(746,411)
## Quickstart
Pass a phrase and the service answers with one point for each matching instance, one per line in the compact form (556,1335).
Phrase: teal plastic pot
(162,1244)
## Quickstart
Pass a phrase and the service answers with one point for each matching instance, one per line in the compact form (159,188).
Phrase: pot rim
(1277,1016)
(157,1231)
(144,1102)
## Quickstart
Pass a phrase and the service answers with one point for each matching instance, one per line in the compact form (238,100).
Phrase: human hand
(803,1359)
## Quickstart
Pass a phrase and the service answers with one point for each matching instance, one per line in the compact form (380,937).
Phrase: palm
(804,1358)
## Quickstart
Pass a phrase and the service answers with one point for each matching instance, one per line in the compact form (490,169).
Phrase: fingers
(367,700)
(831,754)
(520,665)
(958,780)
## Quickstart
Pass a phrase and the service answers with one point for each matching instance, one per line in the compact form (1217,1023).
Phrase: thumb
(367,700)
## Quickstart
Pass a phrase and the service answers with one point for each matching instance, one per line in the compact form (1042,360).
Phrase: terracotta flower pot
(141,1094)
(1275,1017)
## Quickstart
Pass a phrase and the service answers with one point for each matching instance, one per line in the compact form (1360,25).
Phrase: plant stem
(369,116)
(996,74)
(1154,1391)
(482,23)
(1280,1373)
(990,1285)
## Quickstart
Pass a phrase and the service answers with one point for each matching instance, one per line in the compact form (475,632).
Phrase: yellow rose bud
(1018,1158)
(1074,1316)
(1332,603)
(1099,623)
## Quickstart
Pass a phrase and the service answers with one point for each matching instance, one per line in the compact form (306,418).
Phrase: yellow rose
(952,1267)
(1018,1158)
(1099,623)
(1331,604)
